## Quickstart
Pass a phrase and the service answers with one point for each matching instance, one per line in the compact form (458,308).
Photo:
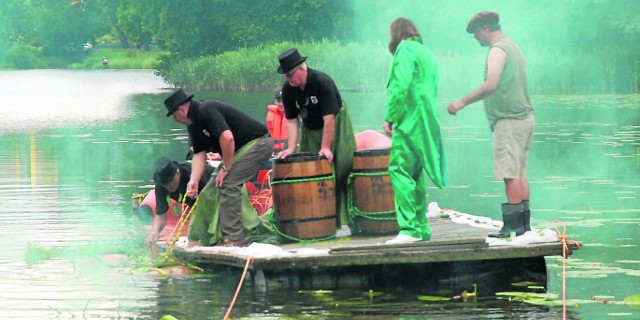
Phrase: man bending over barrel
(245,146)
(326,126)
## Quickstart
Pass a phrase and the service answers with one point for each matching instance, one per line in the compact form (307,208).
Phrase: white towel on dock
(261,250)
(529,237)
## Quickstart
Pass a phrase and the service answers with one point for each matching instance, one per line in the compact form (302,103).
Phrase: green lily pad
(524,296)
(524,284)
(633,300)
(536,287)
(433,298)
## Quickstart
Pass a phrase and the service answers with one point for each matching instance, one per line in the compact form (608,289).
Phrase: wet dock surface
(450,242)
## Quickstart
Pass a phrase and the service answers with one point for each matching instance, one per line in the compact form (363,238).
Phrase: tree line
(58,30)
(54,33)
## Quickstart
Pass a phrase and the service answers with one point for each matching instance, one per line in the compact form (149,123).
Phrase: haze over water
(74,146)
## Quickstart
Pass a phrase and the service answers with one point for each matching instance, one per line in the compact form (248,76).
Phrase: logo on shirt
(314,100)
(206,133)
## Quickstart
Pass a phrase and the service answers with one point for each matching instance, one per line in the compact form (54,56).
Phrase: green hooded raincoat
(416,146)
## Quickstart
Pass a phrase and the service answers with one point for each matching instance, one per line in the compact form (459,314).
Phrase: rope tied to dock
(235,296)
(565,252)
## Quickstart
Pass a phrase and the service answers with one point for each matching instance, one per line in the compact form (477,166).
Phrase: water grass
(365,66)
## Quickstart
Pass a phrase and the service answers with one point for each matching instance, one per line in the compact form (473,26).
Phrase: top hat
(175,100)
(164,171)
(483,18)
(289,60)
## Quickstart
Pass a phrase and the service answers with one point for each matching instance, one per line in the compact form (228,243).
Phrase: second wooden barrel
(372,194)
(304,199)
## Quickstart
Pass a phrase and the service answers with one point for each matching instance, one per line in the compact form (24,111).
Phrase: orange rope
(263,199)
(244,273)
(565,252)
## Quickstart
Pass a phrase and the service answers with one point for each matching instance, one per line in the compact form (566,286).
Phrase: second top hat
(289,60)
(175,100)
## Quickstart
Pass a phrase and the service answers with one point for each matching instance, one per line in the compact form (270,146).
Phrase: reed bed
(364,67)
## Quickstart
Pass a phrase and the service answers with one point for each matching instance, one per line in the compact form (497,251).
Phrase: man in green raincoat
(412,120)
(312,96)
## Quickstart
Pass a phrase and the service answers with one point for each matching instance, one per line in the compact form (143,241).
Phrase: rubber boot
(527,215)
(513,217)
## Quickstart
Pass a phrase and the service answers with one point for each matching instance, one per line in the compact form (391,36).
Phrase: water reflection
(43,99)
(68,168)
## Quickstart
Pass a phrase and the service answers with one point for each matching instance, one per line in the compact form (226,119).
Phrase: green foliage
(254,69)
(225,25)
(365,67)
(35,254)
(23,57)
(573,46)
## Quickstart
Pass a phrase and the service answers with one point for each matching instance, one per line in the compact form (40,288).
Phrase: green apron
(203,225)
(343,147)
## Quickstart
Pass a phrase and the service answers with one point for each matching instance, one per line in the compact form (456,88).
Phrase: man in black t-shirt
(245,146)
(171,180)
(313,96)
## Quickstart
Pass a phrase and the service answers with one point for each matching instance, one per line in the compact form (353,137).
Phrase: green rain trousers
(343,147)
(416,147)
(203,225)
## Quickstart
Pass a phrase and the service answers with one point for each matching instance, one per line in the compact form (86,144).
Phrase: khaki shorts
(511,144)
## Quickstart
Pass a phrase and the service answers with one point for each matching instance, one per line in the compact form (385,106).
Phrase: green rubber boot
(527,215)
(513,218)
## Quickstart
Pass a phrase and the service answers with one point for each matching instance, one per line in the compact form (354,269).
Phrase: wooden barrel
(304,200)
(372,194)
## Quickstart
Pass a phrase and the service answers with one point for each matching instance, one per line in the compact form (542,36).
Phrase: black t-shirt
(162,205)
(210,118)
(319,98)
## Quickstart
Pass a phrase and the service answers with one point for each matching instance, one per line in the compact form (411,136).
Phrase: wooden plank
(450,242)
(377,257)
(475,242)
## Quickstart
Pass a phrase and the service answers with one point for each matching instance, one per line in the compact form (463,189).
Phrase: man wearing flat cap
(171,179)
(245,146)
(505,92)
(312,96)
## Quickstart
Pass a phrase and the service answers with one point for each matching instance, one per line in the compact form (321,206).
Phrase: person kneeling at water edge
(222,212)
(171,180)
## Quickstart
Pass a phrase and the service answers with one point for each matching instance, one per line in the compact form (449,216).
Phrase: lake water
(74,147)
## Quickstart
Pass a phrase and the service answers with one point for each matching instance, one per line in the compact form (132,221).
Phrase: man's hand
(327,153)
(388,128)
(220,177)
(285,153)
(213,156)
(455,106)
(192,188)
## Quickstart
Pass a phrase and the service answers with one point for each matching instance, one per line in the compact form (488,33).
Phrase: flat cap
(482,19)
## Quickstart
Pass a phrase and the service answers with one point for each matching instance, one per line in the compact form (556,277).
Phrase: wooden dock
(455,250)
